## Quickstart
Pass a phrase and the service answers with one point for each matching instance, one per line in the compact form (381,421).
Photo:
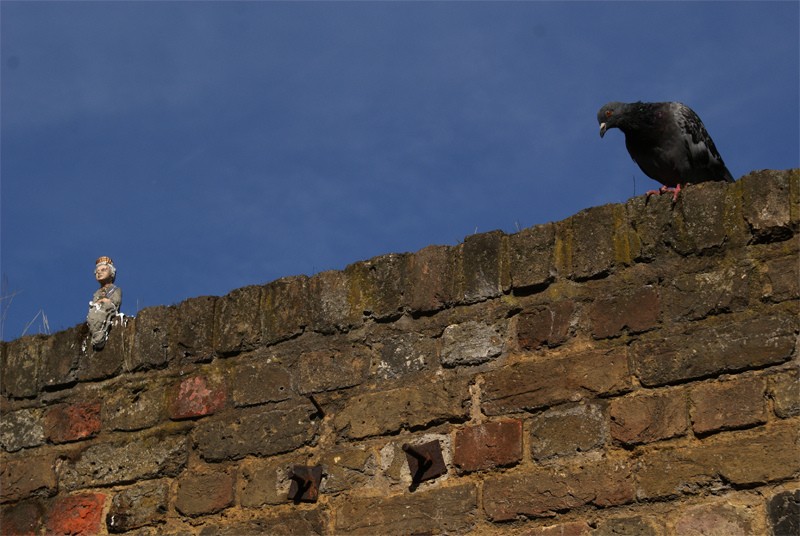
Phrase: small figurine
(105,303)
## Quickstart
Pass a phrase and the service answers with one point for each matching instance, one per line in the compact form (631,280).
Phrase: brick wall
(629,370)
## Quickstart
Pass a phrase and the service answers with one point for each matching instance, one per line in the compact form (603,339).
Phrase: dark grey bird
(668,141)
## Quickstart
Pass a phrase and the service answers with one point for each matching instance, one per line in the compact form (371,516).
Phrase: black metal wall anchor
(305,483)
(425,462)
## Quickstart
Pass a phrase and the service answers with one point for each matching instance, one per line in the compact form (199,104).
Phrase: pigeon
(668,142)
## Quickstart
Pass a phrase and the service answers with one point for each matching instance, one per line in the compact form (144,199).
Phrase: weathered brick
(548,325)
(727,343)
(115,356)
(377,286)
(783,513)
(471,343)
(635,310)
(204,493)
(450,510)
(77,515)
(285,307)
(652,417)
(259,381)
(72,422)
(404,354)
(21,366)
(697,295)
(329,369)
(740,458)
(264,482)
(347,468)
(151,339)
(488,445)
(25,518)
(530,257)
(781,278)
(330,308)
(629,526)
(542,492)
(288,523)
(237,321)
(135,459)
(191,330)
(141,505)
(431,282)
(61,354)
(21,429)
(728,405)
(137,407)
(705,219)
(567,430)
(197,396)
(569,528)
(717,518)
(23,476)
(784,389)
(377,413)
(532,385)
(259,431)
(483,259)
(770,201)
(592,242)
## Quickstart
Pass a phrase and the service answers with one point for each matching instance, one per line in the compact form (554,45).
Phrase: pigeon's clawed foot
(664,189)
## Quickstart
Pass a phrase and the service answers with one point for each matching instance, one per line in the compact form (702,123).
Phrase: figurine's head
(104,270)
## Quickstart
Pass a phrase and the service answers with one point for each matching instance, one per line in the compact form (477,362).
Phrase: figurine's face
(103,273)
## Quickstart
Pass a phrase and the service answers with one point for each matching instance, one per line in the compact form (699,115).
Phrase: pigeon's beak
(603,129)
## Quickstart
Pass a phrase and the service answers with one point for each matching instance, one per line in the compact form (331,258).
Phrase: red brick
(728,405)
(635,310)
(488,445)
(196,397)
(645,418)
(72,422)
(77,514)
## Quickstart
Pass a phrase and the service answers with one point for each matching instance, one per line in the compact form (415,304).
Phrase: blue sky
(207,146)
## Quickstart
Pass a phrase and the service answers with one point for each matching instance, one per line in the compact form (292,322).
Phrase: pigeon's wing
(705,161)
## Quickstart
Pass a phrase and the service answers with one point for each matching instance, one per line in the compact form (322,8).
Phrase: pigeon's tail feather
(727,175)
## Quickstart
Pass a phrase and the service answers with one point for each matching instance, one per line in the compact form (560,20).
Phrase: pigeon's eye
(609,113)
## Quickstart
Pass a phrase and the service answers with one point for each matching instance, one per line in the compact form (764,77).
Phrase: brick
(21,429)
(21,366)
(141,406)
(728,405)
(137,458)
(24,518)
(377,286)
(542,492)
(482,273)
(72,422)
(27,475)
(783,513)
(404,354)
(139,506)
(777,190)
(728,343)
(330,309)
(716,518)
(532,385)
(530,257)
(265,482)
(61,354)
(591,243)
(113,358)
(237,321)
(450,510)
(80,514)
(431,280)
(784,389)
(545,325)
(347,468)
(567,430)
(330,369)
(205,493)
(471,343)
(150,340)
(781,278)
(570,528)
(258,431)
(634,311)
(191,330)
(257,382)
(289,523)
(197,396)
(705,219)
(378,413)
(641,419)
(698,295)
(489,445)
(285,308)
(629,526)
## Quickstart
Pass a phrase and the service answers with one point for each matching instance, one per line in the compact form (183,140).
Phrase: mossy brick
(432,278)
(706,219)
(727,405)
(644,418)
(471,343)
(629,310)
(450,510)
(141,505)
(61,356)
(257,431)
(781,278)
(483,264)
(206,492)
(136,406)
(530,257)
(286,308)
(23,518)
(191,330)
(568,430)
(525,386)
(257,381)
(784,389)
(25,475)
(545,325)
(237,321)
(72,421)
(330,369)
(717,518)
(197,396)
(422,404)
(541,492)
(488,445)
(651,227)
(21,366)
(21,429)
(783,513)
(722,344)
(151,339)
(80,514)
(377,286)
(330,307)
(137,458)
(771,204)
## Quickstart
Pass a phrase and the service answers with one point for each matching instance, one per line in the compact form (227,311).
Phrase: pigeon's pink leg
(676,191)
(657,192)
